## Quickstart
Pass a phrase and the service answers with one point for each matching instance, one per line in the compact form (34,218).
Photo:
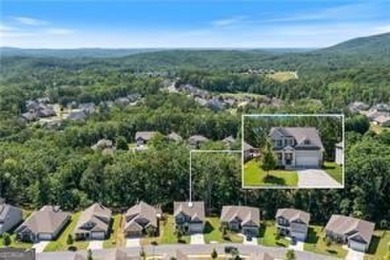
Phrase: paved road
(189,249)
(316,178)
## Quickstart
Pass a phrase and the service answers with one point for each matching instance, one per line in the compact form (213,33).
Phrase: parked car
(230,249)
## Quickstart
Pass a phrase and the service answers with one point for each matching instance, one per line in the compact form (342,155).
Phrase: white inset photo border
(315,161)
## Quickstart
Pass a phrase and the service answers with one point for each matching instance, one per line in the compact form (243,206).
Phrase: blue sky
(187,24)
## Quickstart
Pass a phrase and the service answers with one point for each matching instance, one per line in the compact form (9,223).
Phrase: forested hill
(373,45)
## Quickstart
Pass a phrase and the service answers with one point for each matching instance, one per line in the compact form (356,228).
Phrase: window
(279,143)
(306,141)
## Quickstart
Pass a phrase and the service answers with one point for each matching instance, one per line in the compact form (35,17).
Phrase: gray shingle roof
(198,138)
(141,210)
(97,214)
(145,135)
(340,224)
(300,134)
(5,209)
(175,137)
(294,214)
(247,146)
(191,209)
(47,220)
(243,213)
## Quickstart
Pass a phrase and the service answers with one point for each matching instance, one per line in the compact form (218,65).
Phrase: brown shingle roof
(191,209)
(347,225)
(47,220)
(300,134)
(244,213)
(294,214)
(97,214)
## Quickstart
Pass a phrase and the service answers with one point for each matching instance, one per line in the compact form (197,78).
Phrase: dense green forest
(39,165)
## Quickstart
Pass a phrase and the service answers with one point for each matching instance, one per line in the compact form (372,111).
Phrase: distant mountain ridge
(370,45)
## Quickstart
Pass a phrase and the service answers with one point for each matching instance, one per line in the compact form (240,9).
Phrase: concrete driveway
(298,246)
(352,254)
(133,242)
(197,239)
(95,244)
(316,178)
(40,246)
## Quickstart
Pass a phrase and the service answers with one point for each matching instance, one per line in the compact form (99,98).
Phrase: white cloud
(24,20)
(59,31)
(228,21)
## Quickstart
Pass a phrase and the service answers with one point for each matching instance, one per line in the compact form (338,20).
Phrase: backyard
(255,176)
(379,245)
(115,239)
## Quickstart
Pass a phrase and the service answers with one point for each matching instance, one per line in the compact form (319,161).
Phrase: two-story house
(241,219)
(94,222)
(293,223)
(356,233)
(297,146)
(189,216)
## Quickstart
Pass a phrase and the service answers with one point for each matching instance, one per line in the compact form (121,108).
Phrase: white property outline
(342,116)
(206,151)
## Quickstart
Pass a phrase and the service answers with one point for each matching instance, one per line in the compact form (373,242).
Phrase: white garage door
(97,235)
(196,228)
(299,236)
(357,246)
(307,161)
(44,236)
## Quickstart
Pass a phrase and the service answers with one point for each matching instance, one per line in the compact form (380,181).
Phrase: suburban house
(102,144)
(339,154)
(196,141)
(241,219)
(297,146)
(174,137)
(189,216)
(382,120)
(250,151)
(356,233)
(139,219)
(44,224)
(293,223)
(94,223)
(142,138)
(229,141)
(10,216)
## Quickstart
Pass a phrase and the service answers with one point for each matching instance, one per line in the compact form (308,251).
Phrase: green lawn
(213,233)
(315,242)
(267,235)
(115,237)
(255,176)
(167,230)
(379,245)
(282,76)
(334,170)
(60,243)
(15,243)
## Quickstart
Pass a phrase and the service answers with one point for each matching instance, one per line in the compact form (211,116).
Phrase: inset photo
(293,151)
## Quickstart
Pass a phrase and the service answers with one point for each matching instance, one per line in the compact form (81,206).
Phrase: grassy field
(316,243)
(334,170)
(379,245)
(267,236)
(255,176)
(378,129)
(213,233)
(60,243)
(167,230)
(283,76)
(116,238)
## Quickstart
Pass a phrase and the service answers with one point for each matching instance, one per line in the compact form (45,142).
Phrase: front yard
(268,235)
(116,238)
(255,176)
(212,233)
(334,170)
(60,243)
(316,243)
